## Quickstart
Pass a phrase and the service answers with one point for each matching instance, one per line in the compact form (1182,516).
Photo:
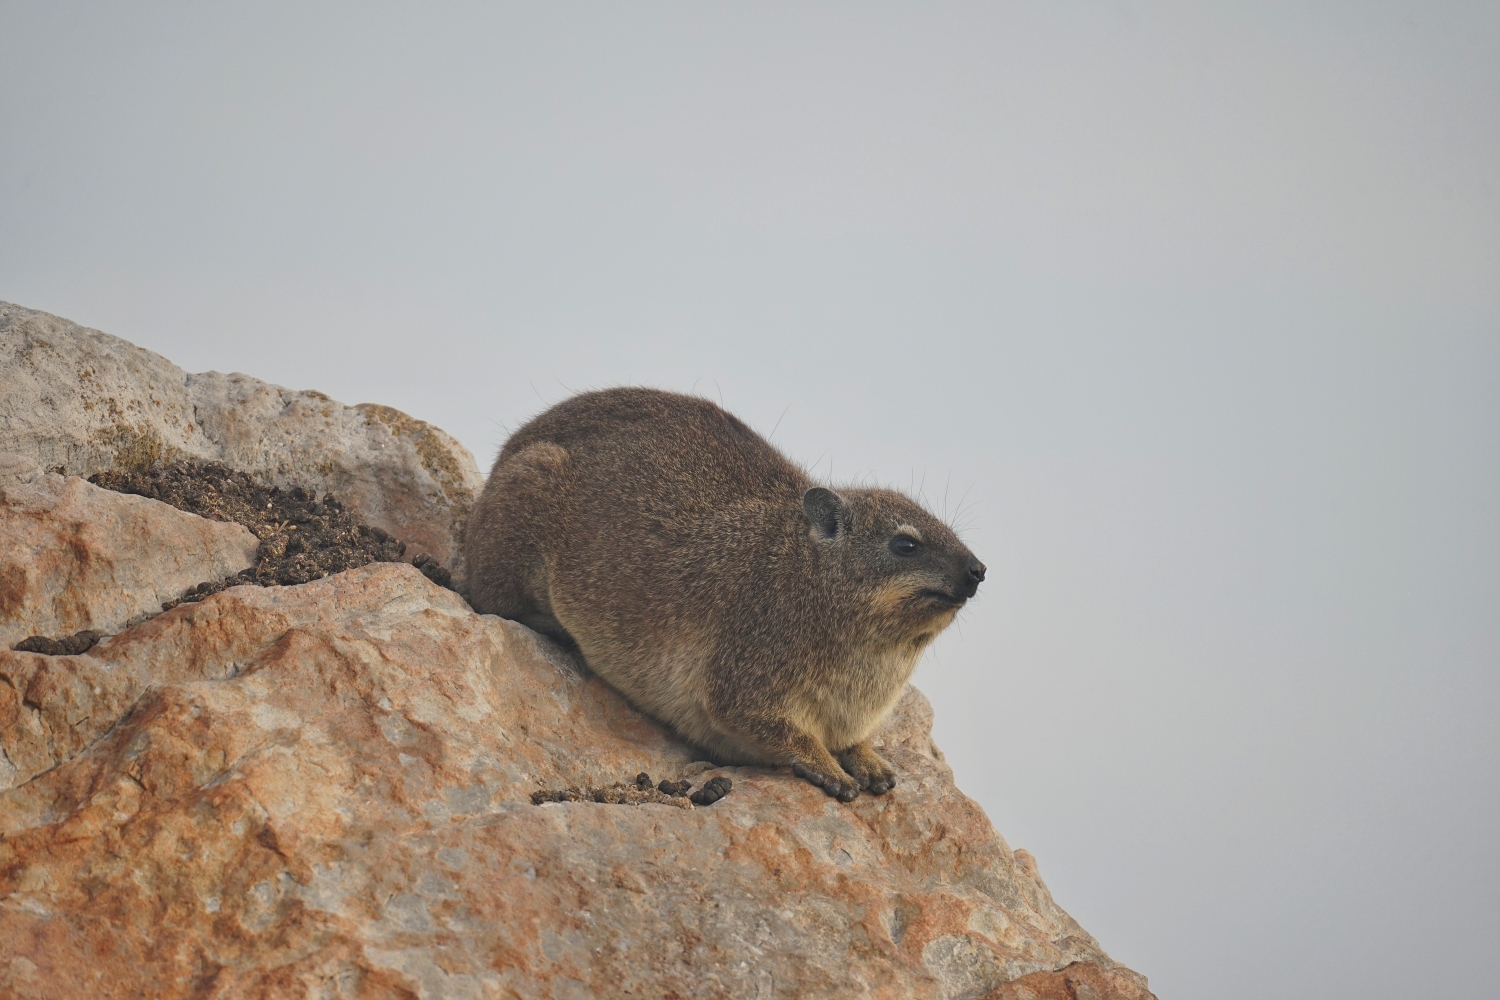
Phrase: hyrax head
(912,567)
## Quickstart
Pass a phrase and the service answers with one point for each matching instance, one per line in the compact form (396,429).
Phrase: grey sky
(1189,313)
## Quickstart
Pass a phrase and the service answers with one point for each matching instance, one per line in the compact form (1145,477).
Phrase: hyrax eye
(905,545)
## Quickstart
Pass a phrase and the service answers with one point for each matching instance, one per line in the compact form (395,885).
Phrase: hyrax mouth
(941,598)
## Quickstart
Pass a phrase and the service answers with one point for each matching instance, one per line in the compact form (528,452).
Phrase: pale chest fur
(846,705)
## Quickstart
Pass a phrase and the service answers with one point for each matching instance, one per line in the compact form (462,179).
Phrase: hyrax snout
(766,619)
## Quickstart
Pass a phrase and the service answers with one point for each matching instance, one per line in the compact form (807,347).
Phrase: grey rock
(16,469)
(78,401)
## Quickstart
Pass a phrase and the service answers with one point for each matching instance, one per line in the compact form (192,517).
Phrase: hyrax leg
(783,740)
(868,768)
(508,571)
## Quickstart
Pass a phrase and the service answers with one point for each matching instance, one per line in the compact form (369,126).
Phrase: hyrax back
(700,572)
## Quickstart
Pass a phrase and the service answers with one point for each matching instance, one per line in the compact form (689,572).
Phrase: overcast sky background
(1190,313)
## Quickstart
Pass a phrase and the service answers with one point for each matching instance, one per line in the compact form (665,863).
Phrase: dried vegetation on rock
(302,537)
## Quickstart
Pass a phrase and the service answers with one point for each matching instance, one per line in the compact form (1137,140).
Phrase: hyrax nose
(973,575)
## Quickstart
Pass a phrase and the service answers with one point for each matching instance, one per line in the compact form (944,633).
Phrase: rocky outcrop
(327,787)
(75,557)
(327,790)
(77,401)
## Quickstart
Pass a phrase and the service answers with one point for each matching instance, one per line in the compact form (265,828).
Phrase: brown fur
(704,575)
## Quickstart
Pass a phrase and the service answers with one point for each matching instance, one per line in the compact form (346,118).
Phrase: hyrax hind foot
(868,768)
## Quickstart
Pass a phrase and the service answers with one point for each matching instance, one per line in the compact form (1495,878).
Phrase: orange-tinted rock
(1083,981)
(324,790)
(74,557)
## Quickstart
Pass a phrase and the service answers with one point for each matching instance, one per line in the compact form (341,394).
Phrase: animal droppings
(712,791)
(639,792)
(72,645)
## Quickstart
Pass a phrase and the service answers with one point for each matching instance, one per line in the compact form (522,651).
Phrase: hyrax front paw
(868,768)
(840,786)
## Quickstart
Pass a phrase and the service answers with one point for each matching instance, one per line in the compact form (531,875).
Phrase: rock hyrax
(699,571)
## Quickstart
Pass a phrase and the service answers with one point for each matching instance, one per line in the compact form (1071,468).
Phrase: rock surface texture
(77,401)
(325,790)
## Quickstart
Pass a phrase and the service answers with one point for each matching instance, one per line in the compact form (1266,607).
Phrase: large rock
(75,557)
(324,790)
(77,401)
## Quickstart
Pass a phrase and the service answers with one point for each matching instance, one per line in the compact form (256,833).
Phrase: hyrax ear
(827,513)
